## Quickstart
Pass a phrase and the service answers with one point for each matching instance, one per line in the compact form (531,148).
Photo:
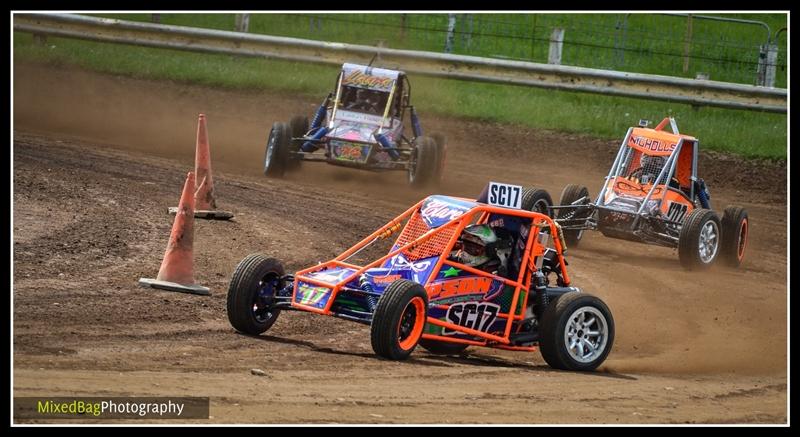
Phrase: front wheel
(576,332)
(399,319)
(299,127)
(699,239)
(277,152)
(424,165)
(251,294)
(441,156)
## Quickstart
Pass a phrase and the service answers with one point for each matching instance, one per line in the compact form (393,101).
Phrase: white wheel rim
(709,242)
(586,334)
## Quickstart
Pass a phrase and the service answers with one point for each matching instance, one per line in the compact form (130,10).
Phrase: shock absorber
(387,144)
(542,299)
(310,145)
(703,194)
(415,126)
(372,300)
(321,112)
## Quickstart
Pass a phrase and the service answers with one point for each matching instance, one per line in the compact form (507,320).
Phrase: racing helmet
(477,243)
(651,167)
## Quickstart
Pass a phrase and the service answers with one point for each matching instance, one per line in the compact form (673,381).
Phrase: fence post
(403,24)
(242,22)
(556,45)
(772,65)
(761,72)
(451,29)
(466,33)
(155,18)
(687,43)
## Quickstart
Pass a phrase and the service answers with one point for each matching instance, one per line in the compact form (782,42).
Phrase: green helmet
(479,234)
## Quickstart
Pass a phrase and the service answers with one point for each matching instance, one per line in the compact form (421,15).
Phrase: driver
(363,101)
(479,247)
(650,168)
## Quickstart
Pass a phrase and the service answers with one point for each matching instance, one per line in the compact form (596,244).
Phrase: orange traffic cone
(206,204)
(177,271)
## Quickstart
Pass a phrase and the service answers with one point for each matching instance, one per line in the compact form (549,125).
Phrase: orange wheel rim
(412,320)
(742,240)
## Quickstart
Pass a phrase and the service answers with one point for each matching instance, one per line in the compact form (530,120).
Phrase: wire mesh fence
(721,48)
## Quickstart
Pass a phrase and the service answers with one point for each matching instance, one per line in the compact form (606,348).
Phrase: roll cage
(438,242)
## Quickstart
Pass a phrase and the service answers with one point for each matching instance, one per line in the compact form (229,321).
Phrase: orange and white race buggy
(653,195)
(428,290)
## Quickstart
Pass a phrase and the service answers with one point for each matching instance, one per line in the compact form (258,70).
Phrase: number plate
(505,195)
(351,152)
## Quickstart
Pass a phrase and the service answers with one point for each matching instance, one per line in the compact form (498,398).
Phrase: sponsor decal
(385,279)
(653,144)
(311,295)
(361,79)
(358,117)
(468,285)
(437,211)
(473,315)
(421,267)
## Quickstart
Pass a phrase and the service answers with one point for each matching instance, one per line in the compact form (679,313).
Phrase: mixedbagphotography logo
(110,408)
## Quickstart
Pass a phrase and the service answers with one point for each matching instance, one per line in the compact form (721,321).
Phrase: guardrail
(471,68)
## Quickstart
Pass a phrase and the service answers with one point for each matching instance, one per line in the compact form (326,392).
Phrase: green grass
(642,43)
(746,133)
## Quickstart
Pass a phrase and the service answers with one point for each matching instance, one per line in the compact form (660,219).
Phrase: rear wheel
(441,156)
(536,200)
(399,319)
(423,168)
(569,195)
(277,152)
(699,239)
(735,231)
(577,332)
(299,127)
(251,294)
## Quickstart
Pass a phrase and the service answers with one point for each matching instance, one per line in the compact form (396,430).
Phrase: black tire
(299,127)
(554,327)
(689,239)
(441,156)
(442,348)
(735,232)
(277,151)
(392,336)
(423,169)
(243,294)
(536,200)
(570,194)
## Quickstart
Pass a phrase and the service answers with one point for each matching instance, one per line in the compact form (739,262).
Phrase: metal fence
(694,46)
(447,65)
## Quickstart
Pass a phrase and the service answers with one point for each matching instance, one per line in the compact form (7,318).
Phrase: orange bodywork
(416,242)
(632,187)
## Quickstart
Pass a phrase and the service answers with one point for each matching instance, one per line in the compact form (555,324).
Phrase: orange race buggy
(418,293)
(653,195)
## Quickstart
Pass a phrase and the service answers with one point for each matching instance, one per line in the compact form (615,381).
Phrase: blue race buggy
(360,125)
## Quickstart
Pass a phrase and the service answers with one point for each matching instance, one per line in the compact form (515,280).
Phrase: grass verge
(745,133)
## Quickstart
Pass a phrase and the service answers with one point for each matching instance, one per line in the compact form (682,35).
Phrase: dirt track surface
(98,159)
